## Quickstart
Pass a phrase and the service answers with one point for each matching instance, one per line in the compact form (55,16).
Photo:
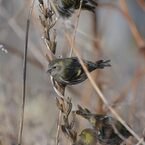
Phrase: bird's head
(89,136)
(55,67)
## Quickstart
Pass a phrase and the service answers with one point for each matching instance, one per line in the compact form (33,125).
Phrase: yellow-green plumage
(87,137)
(68,71)
(109,130)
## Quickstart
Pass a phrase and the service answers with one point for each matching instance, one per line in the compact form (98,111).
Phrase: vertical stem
(24,77)
(99,106)
(59,118)
(23,89)
(58,127)
(75,30)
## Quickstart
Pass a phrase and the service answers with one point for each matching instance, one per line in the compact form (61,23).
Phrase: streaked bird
(109,130)
(68,71)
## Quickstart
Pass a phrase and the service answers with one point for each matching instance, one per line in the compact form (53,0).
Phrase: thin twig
(141,3)
(61,94)
(75,30)
(140,142)
(123,10)
(58,127)
(21,34)
(24,76)
(135,33)
(50,54)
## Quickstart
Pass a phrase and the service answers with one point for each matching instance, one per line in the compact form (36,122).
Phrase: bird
(109,130)
(68,71)
(88,136)
(67,7)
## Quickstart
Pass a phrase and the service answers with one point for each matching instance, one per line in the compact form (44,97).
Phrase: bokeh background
(106,34)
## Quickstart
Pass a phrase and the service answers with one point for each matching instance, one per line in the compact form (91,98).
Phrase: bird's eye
(54,67)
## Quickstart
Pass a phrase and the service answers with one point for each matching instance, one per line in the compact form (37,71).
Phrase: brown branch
(141,4)
(123,10)
(132,26)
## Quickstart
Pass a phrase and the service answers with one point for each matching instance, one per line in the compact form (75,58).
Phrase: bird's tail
(103,63)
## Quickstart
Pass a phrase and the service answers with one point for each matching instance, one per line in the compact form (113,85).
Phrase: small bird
(87,137)
(109,130)
(67,7)
(68,71)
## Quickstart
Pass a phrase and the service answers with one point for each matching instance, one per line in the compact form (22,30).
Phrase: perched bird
(109,130)
(87,137)
(68,71)
(67,7)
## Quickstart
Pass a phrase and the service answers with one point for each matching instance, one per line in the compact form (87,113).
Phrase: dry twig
(75,30)
(67,127)
(24,76)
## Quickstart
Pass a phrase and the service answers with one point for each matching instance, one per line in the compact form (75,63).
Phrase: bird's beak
(48,70)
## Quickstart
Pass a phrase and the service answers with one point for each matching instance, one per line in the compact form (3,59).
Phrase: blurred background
(107,34)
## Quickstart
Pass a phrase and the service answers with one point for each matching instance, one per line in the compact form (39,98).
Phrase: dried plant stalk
(75,30)
(24,77)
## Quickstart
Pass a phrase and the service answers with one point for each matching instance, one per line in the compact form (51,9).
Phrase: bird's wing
(73,71)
